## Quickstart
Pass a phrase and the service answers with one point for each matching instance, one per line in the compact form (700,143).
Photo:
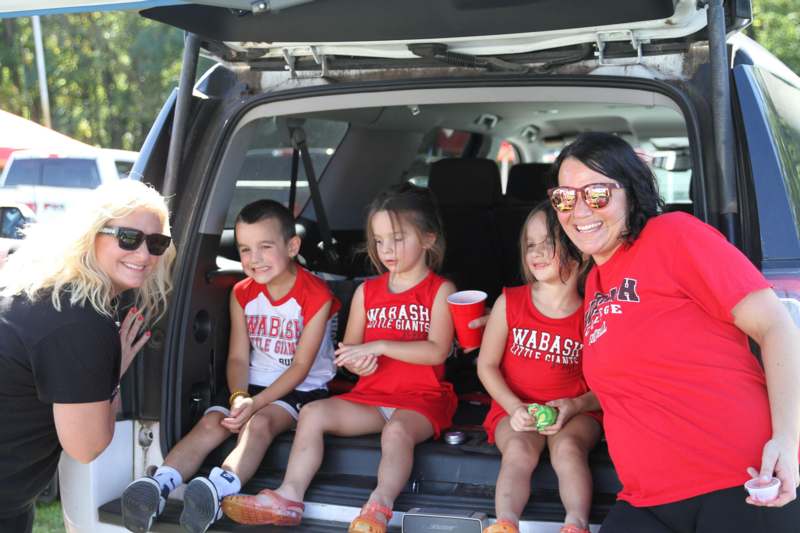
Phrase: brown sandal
(266,507)
(368,521)
(502,526)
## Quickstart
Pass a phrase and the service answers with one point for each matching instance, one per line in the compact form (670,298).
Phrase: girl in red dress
(531,353)
(398,335)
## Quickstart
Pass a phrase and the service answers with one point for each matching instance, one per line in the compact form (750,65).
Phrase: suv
(380,92)
(50,183)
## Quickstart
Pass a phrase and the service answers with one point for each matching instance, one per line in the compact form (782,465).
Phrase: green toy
(544,414)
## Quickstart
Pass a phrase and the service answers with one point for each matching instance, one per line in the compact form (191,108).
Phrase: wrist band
(237,393)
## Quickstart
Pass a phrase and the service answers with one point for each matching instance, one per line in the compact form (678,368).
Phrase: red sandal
(368,521)
(266,507)
(502,526)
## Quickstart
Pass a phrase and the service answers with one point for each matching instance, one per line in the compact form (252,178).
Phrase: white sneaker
(201,506)
(142,502)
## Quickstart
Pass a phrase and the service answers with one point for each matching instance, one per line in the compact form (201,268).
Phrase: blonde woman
(61,352)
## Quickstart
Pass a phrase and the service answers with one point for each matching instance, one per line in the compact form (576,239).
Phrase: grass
(48,518)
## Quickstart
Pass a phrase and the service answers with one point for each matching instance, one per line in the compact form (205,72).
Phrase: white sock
(168,478)
(226,482)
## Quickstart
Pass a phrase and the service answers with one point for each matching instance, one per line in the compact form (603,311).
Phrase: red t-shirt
(684,400)
(542,358)
(275,326)
(404,316)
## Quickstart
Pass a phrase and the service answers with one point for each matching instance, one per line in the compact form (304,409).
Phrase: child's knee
(567,451)
(262,426)
(314,416)
(396,433)
(521,451)
(210,423)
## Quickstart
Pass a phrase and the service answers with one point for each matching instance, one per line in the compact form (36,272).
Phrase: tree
(108,73)
(776,27)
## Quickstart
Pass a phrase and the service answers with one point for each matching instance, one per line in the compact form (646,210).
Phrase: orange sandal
(501,526)
(368,521)
(266,507)
(572,528)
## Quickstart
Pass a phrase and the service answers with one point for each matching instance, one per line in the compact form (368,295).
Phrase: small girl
(398,335)
(531,353)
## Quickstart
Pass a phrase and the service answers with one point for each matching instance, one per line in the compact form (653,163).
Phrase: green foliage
(48,518)
(108,73)
(776,27)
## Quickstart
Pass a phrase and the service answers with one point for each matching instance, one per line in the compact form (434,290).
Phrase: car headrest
(465,182)
(529,182)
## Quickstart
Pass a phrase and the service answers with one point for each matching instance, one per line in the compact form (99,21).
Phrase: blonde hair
(60,256)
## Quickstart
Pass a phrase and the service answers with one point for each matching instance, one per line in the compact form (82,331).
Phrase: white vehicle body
(51,183)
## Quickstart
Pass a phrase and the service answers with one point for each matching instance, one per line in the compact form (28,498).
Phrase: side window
(783,115)
(439,143)
(69,172)
(671,162)
(24,172)
(123,168)
(266,171)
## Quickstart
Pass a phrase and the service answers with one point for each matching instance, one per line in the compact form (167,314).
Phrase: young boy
(280,357)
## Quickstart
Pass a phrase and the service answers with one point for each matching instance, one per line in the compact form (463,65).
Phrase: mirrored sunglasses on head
(131,239)
(596,196)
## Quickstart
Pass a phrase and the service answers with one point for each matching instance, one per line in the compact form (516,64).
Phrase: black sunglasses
(131,239)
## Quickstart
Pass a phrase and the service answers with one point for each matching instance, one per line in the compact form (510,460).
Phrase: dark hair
(613,157)
(264,209)
(567,251)
(415,205)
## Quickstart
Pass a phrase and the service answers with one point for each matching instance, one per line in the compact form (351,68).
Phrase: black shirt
(46,357)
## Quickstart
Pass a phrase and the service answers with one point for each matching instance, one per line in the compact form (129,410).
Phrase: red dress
(543,356)
(404,316)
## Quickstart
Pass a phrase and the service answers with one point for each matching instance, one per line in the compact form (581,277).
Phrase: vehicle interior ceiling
(486,163)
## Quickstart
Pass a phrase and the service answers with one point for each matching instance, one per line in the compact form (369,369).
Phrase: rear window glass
(266,171)
(123,168)
(439,143)
(783,114)
(24,172)
(70,172)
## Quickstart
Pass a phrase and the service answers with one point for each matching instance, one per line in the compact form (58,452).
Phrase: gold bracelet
(236,394)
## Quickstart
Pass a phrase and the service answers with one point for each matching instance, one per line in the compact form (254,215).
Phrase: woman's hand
(567,408)
(241,411)
(521,420)
(128,331)
(779,458)
(349,353)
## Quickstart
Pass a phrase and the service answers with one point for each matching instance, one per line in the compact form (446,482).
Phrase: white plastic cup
(761,491)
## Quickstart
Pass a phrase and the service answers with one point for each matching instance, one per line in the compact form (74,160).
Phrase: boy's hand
(521,420)
(241,411)
(351,352)
(567,408)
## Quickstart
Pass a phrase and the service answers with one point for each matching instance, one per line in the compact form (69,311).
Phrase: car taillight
(31,205)
(788,290)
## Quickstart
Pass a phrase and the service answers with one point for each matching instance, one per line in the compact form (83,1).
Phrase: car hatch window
(70,172)
(123,168)
(24,172)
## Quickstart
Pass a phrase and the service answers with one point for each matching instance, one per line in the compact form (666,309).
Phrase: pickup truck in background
(50,183)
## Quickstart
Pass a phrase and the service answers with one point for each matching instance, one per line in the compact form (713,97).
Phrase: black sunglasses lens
(157,244)
(129,239)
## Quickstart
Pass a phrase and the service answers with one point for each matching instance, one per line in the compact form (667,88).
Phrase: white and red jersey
(275,326)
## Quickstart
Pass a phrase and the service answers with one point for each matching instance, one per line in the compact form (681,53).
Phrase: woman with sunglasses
(689,413)
(61,352)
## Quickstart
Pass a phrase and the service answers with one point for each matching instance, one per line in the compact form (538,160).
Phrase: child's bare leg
(332,415)
(254,439)
(521,451)
(569,451)
(190,452)
(404,430)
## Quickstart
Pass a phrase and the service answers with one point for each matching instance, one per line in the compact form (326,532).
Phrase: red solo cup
(465,306)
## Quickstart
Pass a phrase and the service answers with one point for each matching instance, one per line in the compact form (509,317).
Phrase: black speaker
(433,520)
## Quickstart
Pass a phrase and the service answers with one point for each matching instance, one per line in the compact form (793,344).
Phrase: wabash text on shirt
(403,317)
(610,303)
(542,345)
(272,333)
